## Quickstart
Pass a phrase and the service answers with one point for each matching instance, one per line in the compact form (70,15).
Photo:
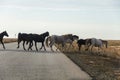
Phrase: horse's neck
(1,35)
(44,36)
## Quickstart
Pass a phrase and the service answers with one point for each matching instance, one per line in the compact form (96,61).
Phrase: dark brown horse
(23,37)
(38,38)
(81,42)
(1,37)
(29,38)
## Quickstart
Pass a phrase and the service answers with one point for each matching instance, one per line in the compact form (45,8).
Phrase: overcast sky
(86,18)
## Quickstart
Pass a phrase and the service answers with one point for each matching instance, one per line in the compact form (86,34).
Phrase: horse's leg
(30,45)
(98,49)
(91,48)
(36,46)
(57,48)
(87,47)
(51,45)
(102,49)
(24,45)
(43,46)
(51,48)
(3,44)
(71,45)
(79,47)
(19,43)
(63,44)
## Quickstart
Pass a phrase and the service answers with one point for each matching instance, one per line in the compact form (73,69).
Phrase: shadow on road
(31,51)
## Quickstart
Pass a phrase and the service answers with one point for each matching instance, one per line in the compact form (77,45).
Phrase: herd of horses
(45,38)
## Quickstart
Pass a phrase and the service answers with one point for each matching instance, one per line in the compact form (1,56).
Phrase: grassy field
(114,42)
(104,65)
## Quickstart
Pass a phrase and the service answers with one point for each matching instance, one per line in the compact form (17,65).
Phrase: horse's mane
(67,35)
(44,33)
(3,32)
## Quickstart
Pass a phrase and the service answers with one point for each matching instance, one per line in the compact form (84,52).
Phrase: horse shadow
(31,51)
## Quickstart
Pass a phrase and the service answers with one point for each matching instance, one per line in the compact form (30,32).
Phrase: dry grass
(104,65)
(9,40)
(98,67)
(112,51)
(114,42)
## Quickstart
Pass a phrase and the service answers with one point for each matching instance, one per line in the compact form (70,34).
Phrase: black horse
(81,42)
(1,37)
(23,37)
(38,38)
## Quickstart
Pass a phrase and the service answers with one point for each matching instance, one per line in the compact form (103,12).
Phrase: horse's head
(5,33)
(45,34)
(75,37)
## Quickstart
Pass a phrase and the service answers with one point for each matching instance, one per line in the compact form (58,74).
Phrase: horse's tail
(106,44)
(48,38)
(19,36)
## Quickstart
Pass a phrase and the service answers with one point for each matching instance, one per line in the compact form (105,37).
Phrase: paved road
(17,64)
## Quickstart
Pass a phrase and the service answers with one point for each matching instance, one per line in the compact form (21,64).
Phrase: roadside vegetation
(103,65)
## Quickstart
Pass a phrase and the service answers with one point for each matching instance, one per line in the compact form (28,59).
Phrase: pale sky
(85,18)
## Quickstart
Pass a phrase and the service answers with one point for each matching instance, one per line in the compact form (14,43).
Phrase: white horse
(96,42)
(59,40)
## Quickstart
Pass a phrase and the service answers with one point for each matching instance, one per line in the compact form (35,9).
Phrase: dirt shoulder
(98,67)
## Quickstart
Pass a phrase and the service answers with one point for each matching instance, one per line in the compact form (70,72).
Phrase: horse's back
(96,42)
(23,36)
(81,41)
(57,39)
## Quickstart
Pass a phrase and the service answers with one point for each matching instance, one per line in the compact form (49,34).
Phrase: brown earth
(100,66)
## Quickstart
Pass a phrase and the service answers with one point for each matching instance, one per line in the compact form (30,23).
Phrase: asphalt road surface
(17,64)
